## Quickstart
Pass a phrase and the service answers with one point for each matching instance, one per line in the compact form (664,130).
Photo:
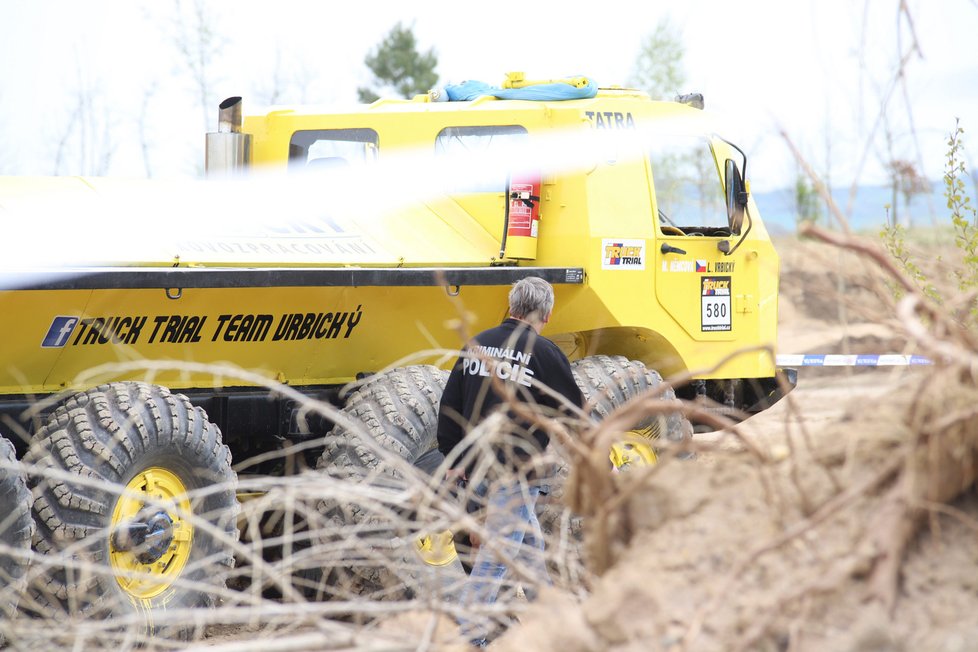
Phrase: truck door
(710,294)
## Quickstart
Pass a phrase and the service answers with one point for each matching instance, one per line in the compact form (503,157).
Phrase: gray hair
(531,298)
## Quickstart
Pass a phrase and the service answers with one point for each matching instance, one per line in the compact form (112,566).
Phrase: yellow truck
(657,252)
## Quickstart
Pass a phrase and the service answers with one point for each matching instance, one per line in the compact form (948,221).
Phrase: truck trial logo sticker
(60,331)
(715,296)
(622,254)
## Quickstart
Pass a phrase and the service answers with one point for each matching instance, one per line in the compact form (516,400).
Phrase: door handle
(667,248)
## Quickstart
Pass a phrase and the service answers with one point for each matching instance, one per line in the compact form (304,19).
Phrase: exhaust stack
(227,150)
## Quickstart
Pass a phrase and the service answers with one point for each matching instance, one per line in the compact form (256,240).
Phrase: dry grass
(778,535)
(305,577)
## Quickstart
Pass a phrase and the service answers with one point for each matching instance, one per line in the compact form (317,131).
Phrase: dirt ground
(773,540)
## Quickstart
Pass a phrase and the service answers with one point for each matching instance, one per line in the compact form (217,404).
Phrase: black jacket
(524,360)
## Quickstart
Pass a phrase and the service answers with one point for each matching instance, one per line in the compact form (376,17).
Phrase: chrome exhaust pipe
(227,150)
(229,116)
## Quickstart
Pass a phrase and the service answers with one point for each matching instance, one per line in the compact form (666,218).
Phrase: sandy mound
(786,537)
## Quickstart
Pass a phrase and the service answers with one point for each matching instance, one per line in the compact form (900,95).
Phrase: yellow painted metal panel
(297,335)
(636,301)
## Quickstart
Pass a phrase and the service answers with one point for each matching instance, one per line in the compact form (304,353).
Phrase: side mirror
(736,196)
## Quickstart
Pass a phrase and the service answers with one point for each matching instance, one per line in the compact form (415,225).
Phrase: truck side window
(475,141)
(688,187)
(332,148)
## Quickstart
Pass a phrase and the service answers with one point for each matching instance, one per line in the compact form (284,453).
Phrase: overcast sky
(816,68)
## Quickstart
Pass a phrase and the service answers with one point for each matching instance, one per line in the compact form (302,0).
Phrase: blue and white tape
(834,360)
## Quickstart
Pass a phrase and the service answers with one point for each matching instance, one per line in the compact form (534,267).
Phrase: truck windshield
(687,186)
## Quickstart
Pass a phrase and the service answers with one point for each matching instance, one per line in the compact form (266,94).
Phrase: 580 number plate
(715,296)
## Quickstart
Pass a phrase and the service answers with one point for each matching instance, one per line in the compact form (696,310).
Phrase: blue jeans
(515,540)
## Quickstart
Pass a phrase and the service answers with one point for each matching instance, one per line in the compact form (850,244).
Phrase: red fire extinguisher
(522,218)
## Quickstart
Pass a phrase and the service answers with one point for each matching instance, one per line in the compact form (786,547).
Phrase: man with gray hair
(506,370)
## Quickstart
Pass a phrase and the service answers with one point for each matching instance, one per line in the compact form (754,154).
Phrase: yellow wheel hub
(436,549)
(635,450)
(151,533)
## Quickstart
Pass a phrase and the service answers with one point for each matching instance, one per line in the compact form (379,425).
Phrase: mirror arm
(743,236)
(742,195)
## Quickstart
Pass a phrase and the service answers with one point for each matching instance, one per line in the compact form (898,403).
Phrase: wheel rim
(633,451)
(155,500)
(436,549)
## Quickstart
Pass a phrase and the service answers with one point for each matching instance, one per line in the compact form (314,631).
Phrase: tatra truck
(124,423)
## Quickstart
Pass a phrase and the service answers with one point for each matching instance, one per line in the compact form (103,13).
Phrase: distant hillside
(868,210)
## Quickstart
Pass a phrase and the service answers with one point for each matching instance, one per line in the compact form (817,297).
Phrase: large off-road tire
(398,413)
(16,529)
(609,381)
(109,461)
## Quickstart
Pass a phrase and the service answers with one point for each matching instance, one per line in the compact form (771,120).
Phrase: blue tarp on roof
(470,90)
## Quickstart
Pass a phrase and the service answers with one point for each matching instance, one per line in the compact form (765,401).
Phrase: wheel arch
(632,342)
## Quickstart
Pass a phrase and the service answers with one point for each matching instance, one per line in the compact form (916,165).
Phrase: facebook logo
(59,332)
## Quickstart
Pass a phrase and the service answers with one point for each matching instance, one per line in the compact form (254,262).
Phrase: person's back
(510,362)
(509,368)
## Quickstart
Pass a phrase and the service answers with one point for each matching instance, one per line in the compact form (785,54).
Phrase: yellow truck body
(316,304)
(330,245)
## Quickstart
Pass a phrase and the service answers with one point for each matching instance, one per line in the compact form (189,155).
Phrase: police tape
(837,360)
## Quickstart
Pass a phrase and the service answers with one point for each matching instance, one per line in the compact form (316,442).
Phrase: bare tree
(906,182)
(289,82)
(6,165)
(200,44)
(142,120)
(88,142)
(894,80)
(275,89)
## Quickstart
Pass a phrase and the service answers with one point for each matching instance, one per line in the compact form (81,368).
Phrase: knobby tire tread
(16,530)
(107,435)
(608,382)
(398,411)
